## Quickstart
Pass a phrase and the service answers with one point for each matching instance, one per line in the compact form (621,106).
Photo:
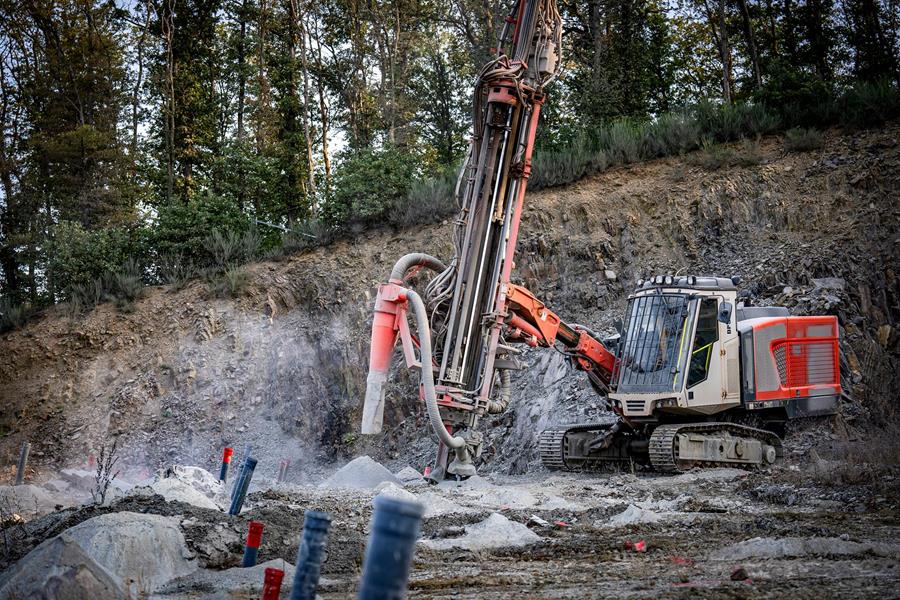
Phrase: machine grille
(807,362)
(635,405)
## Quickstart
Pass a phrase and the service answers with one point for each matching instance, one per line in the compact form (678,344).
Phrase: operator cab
(687,349)
(679,353)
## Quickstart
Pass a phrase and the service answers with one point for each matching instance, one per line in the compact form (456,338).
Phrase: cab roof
(691,282)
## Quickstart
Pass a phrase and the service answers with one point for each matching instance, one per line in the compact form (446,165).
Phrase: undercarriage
(670,447)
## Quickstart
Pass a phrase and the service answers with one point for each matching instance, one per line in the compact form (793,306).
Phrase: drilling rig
(695,378)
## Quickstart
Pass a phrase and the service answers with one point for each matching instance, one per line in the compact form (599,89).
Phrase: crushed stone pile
(494,532)
(361,473)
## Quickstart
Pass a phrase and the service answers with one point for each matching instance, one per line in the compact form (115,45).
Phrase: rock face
(494,532)
(361,473)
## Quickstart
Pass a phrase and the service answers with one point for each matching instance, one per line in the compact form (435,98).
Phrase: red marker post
(226,460)
(254,538)
(272,584)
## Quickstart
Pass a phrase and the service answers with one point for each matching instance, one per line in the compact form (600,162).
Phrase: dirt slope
(283,367)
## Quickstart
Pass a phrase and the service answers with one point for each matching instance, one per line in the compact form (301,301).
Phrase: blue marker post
(395,529)
(309,556)
(240,486)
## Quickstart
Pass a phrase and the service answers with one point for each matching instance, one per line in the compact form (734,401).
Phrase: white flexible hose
(434,412)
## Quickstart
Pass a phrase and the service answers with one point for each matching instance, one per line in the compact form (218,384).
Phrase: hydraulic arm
(471,321)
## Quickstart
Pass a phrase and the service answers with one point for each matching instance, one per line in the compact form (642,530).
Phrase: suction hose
(434,413)
(415,259)
(500,405)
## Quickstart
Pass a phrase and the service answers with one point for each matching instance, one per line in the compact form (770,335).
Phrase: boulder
(795,547)
(634,515)
(116,555)
(79,479)
(140,551)
(59,569)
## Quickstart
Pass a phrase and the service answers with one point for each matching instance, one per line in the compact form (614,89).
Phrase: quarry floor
(692,550)
(808,530)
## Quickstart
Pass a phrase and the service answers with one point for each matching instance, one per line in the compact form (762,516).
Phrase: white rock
(360,473)
(236,580)
(438,506)
(392,490)
(494,532)
(176,490)
(633,516)
(79,479)
(794,547)
(410,477)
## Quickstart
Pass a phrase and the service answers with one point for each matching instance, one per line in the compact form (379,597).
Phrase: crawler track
(664,452)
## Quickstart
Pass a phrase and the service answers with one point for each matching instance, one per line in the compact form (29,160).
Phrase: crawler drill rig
(694,378)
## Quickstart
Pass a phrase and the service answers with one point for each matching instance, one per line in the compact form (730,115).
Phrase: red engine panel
(796,357)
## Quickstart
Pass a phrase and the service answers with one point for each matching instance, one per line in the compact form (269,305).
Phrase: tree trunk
(310,162)
(750,39)
(242,75)
(168,24)
(323,107)
(718,27)
(136,92)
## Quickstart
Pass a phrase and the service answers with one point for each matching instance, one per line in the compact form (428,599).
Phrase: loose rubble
(494,532)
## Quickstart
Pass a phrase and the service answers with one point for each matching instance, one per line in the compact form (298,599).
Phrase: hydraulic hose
(500,405)
(434,413)
(415,259)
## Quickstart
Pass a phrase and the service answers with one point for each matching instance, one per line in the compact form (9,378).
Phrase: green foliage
(12,315)
(230,283)
(868,104)
(713,156)
(229,248)
(183,228)
(78,257)
(370,187)
(122,285)
(797,95)
(552,168)
(803,140)
(176,270)
(429,200)
(307,234)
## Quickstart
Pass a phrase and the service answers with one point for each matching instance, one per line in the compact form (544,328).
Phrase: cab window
(706,335)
